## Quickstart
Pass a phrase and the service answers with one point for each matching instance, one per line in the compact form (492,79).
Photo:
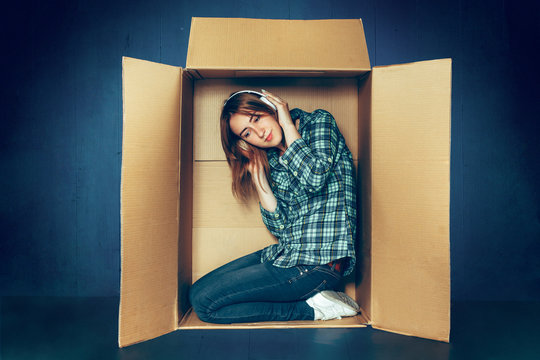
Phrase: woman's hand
(258,176)
(284,118)
(254,168)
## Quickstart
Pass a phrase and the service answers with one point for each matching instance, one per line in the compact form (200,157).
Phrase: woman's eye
(257,118)
(247,134)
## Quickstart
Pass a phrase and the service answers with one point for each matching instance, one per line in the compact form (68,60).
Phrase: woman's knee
(200,302)
(194,295)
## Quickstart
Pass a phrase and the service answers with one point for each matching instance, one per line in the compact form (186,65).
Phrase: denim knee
(197,299)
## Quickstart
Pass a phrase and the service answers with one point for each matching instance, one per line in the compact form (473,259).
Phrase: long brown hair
(240,153)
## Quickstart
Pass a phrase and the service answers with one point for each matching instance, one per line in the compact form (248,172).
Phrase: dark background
(61,129)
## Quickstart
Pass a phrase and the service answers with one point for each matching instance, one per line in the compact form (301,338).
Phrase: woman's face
(258,129)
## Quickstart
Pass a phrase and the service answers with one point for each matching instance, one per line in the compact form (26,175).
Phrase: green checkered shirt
(313,181)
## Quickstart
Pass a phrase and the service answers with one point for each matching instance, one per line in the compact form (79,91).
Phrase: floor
(86,328)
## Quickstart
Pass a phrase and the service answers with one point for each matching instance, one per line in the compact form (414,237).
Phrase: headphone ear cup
(265,100)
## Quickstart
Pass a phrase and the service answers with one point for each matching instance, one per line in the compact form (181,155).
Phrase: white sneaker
(329,305)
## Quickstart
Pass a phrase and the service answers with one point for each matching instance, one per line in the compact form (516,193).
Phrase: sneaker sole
(343,299)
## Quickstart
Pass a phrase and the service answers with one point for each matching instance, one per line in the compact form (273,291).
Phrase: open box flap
(219,45)
(411,198)
(149,200)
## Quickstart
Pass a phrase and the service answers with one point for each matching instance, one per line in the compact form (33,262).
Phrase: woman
(303,175)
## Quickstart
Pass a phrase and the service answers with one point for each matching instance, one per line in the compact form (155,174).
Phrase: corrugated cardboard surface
(267,44)
(410,198)
(149,200)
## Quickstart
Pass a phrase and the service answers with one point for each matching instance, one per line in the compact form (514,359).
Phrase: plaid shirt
(313,182)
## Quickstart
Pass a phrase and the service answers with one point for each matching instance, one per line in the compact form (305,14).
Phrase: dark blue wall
(61,129)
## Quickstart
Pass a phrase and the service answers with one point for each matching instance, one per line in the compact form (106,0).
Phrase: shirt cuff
(274,221)
(293,157)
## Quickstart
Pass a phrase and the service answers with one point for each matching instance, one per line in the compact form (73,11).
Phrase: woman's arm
(273,217)
(266,196)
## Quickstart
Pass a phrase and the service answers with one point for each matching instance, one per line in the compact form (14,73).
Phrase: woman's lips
(269,137)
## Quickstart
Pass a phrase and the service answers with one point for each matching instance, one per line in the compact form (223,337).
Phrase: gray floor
(86,328)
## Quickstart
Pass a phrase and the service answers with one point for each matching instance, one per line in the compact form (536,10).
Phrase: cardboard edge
(364,42)
(414,62)
(120,345)
(451,65)
(315,70)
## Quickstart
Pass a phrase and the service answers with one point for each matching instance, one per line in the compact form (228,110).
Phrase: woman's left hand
(284,116)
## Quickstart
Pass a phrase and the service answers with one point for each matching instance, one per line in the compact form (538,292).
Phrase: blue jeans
(246,290)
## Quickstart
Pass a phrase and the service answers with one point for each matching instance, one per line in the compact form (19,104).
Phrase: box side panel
(149,200)
(221,43)
(363,268)
(186,197)
(411,198)
(337,95)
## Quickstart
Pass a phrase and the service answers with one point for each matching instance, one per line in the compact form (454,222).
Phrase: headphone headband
(261,97)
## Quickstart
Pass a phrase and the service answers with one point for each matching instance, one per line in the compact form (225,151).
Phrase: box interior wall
(220,236)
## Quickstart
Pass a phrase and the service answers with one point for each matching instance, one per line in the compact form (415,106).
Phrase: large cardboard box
(179,219)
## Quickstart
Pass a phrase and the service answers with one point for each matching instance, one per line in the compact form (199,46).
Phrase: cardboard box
(179,219)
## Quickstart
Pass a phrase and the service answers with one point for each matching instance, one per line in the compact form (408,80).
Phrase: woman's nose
(259,130)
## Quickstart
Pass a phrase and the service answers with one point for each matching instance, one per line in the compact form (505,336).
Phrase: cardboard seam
(275,68)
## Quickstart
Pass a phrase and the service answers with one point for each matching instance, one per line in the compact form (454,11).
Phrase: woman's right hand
(253,167)
(258,176)
(282,108)
(284,118)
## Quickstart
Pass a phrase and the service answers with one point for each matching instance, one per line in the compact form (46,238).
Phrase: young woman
(298,165)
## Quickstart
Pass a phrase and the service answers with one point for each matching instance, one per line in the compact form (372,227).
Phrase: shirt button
(281,227)
(329,159)
(295,173)
(290,208)
(285,162)
(276,216)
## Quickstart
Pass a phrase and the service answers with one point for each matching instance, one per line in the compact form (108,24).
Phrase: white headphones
(261,97)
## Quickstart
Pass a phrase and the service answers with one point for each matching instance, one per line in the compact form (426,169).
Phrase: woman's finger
(271,96)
